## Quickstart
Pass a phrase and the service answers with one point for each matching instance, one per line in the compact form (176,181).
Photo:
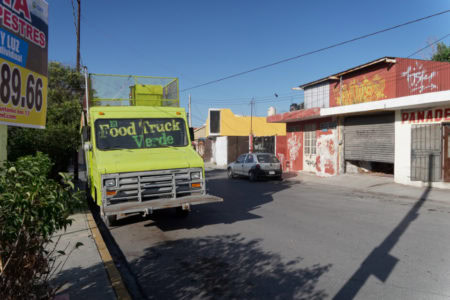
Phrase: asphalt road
(285,240)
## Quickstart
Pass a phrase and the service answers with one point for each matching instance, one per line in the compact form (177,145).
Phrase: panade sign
(23,62)
(433,115)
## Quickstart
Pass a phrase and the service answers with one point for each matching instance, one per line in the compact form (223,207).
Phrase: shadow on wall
(224,267)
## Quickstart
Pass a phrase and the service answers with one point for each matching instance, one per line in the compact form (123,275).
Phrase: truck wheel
(110,220)
(182,213)
(230,173)
(252,176)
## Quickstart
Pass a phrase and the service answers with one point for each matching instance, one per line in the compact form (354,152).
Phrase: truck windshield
(140,133)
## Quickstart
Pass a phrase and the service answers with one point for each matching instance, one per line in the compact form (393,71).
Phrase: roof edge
(387,59)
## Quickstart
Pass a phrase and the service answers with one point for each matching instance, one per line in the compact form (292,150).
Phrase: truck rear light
(111,193)
(196,185)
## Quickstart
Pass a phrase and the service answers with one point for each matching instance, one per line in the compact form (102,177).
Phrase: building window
(310,139)
(214,121)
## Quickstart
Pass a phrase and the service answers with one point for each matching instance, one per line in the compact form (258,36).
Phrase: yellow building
(225,123)
(230,135)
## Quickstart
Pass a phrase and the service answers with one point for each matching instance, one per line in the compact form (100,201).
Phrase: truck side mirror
(191,134)
(87,146)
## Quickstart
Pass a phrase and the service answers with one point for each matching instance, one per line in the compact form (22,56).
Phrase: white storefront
(421,135)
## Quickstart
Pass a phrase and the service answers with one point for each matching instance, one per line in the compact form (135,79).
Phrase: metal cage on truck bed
(131,90)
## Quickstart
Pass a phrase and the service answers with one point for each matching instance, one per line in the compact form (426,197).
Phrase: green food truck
(137,147)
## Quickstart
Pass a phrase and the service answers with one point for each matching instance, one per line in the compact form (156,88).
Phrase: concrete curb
(113,273)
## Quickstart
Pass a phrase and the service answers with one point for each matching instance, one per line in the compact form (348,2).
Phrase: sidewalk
(83,276)
(364,183)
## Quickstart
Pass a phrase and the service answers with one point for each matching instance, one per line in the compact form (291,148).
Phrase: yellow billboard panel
(23,96)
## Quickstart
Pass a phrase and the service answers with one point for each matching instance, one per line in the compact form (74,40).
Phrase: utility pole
(250,142)
(75,154)
(189,109)
(78,36)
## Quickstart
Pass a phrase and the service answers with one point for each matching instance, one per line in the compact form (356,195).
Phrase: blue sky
(199,41)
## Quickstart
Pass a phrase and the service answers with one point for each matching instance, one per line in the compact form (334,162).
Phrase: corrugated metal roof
(338,75)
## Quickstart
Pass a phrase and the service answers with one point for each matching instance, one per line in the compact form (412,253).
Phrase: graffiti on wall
(418,79)
(310,162)
(282,160)
(294,145)
(359,91)
(326,158)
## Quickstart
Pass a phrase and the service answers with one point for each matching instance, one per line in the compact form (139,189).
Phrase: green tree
(61,137)
(442,53)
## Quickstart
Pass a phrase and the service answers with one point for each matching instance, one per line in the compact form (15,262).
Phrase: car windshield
(114,134)
(267,158)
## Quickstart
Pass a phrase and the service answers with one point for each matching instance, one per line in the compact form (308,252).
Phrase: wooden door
(446,153)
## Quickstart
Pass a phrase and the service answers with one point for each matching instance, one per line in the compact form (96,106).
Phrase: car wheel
(252,176)
(230,173)
(279,178)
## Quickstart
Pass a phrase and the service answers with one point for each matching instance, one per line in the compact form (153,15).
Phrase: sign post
(23,65)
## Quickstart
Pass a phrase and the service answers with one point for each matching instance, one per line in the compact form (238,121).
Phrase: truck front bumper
(148,206)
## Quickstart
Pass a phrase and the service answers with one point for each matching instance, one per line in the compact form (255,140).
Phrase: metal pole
(190,114)
(75,154)
(251,117)
(78,36)
(250,142)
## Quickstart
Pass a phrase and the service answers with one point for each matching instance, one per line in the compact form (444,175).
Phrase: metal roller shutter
(370,138)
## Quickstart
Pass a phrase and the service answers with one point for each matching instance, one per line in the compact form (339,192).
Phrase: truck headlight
(110,182)
(195,175)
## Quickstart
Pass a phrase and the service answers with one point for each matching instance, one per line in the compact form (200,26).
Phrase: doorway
(446,153)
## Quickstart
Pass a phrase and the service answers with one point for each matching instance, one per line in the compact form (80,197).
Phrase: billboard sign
(23,62)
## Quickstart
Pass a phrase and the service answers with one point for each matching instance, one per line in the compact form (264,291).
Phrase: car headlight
(195,175)
(110,182)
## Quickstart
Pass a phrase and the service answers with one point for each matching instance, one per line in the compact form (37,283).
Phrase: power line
(316,51)
(448,34)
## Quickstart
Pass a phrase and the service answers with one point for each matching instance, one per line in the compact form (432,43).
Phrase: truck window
(140,133)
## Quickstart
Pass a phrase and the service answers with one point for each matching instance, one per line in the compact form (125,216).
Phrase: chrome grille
(145,186)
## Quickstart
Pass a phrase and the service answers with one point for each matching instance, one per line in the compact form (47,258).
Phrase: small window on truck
(148,133)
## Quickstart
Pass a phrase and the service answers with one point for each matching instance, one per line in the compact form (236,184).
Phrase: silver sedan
(256,165)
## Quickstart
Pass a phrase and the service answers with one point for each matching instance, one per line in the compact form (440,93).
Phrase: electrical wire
(315,51)
(435,42)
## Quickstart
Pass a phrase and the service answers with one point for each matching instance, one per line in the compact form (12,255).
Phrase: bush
(32,208)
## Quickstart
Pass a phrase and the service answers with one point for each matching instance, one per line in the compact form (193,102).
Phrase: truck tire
(182,213)
(110,220)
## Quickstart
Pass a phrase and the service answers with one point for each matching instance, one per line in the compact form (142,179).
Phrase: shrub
(32,208)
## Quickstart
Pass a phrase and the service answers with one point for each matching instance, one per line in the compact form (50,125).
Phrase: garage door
(370,138)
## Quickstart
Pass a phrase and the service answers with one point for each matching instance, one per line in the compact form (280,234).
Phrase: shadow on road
(85,287)
(224,267)
(380,263)
(240,198)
